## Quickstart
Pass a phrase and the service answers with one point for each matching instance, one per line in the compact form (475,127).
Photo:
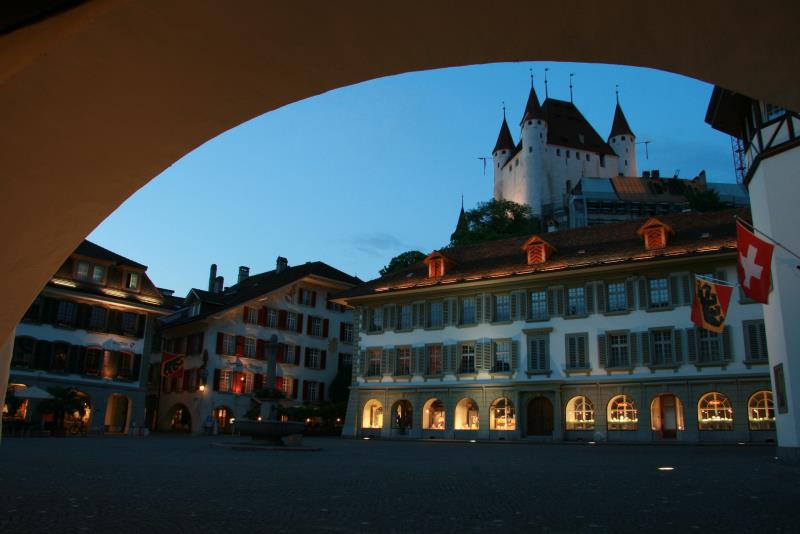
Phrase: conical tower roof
(533,110)
(462,225)
(620,125)
(504,139)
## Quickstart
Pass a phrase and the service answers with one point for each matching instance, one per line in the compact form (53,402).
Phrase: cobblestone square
(183,484)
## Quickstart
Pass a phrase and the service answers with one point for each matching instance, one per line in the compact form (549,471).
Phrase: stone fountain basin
(272,431)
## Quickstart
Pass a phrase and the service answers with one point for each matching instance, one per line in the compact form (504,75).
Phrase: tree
(401,261)
(495,219)
(707,200)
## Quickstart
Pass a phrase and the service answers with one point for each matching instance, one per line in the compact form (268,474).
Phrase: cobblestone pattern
(183,484)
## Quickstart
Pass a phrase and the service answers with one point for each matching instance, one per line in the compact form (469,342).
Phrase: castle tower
(623,142)
(500,155)
(534,138)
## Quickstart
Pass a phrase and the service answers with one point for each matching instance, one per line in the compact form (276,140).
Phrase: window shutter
(282,319)
(415,360)
(643,304)
(321,392)
(307,359)
(239,345)
(727,351)
(325,325)
(645,343)
(763,350)
(262,316)
(629,289)
(449,358)
(258,382)
(305,390)
(217,374)
(674,291)
(341,330)
(686,289)
(137,367)
(446,312)
(563,293)
(677,345)
(300,323)
(551,302)
(363,363)
(323,355)
(244,313)
(280,354)
(220,339)
(479,308)
(260,349)
(601,297)
(313,299)
(582,341)
(633,349)
(387,318)
(691,343)
(297,354)
(590,298)
(483,356)
(601,349)
(295,387)
(514,305)
(308,324)
(82,316)
(514,355)
(748,331)
(571,356)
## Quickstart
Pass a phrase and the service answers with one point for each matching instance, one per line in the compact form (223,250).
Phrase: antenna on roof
(545,82)
(484,163)
(504,110)
(616,91)
(531,71)
(570,86)
(646,151)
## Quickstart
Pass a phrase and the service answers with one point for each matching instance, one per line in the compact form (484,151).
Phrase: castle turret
(534,138)
(623,142)
(500,155)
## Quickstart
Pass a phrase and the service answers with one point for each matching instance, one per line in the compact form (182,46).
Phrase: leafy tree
(707,200)
(401,261)
(495,219)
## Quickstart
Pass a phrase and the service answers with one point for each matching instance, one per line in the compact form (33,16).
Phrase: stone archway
(540,417)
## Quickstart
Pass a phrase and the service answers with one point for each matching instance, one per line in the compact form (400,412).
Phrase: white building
(581,334)
(221,334)
(89,330)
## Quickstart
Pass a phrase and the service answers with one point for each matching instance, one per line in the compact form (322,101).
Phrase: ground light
(366,438)
(666,468)
(472,441)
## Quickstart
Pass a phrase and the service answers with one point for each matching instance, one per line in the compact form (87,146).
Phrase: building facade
(88,331)
(577,335)
(221,334)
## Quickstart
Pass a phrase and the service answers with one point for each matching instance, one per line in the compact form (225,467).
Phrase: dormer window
(437,265)
(132,281)
(538,250)
(655,234)
(90,272)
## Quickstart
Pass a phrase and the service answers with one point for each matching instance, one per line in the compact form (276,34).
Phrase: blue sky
(357,175)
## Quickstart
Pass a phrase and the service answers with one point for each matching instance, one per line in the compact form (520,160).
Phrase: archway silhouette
(100,98)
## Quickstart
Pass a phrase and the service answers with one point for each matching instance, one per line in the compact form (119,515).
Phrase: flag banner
(171,364)
(754,264)
(710,304)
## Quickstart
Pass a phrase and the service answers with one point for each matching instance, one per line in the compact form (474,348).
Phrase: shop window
(580,414)
(467,416)
(622,413)
(372,416)
(433,415)
(761,411)
(714,412)
(502,415)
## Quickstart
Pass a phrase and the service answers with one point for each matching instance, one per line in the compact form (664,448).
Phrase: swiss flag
(754,264)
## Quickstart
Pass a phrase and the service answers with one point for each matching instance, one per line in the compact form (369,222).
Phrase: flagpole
(754,229)
(715,280)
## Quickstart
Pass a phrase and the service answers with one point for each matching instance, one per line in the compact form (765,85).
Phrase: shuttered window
(291,321)
(97,318)
(709,346)
(272,318)
(576,351)
(228,344)
(250,347)
(347,332)
(755,336)
(662,350)
(537,353)
(66,312)
(618,350)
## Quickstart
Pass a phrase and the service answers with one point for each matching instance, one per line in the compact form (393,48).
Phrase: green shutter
(427,314)
(514,305)
(763,351)
(449,356)
(523,305)
(686,289)
(363,365)
(643,304)
(633,351)
(677,345)
(674,291)
(387,361)
(551,301)
(645,343)
(514,356)
(601,349)
(478,308)
(572,356)
(589,295)
(748,331)
(629,293)
(727,352)
(583,350)
(691,343)
(601,298)
(364,319)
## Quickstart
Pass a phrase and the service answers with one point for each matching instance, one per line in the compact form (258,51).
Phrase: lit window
(436,319)
(466,416)
(539,305)
(467,359)
(537,353)
(374,362)
(250,347)
(272,318)
(714,412)
(502,308)
(372,416)
(580,414)
(468,310)
(132,280)
(405,317)
(661,341)
(659,293)
(617,298)
(618,354)
(403,367)
(622,413)
(433,415)
(709,346)
(502,357)
(502,415)
(576,301)
(761,411)
(229,344)
(434,363)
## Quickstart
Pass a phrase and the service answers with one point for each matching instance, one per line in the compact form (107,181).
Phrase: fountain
(267,428)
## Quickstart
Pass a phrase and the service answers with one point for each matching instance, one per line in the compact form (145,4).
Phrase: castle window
(530,122)
(622,138)
(587,157)
(530,149)
(538,122)
(558,152)
(540,135)
(626,162)
(577,155)
(567,154)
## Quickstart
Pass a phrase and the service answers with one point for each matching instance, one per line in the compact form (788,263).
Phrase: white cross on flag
(754,264)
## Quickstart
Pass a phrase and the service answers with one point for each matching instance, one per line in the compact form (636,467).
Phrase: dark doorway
(540,417)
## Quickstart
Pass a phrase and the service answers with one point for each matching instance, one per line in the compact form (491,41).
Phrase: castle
(557,148)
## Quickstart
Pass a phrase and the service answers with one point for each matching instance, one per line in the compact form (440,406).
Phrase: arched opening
(433,417)
(540,417)
(117,414)
(666,415)
(180,419)
(761,411)
(714,412)
(467,416)
(502,415)
(580,414)
(221,419)
(372,415)
(402,416)
(622,413)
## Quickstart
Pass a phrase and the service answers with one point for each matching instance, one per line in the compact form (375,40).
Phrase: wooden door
(669,417)
(540,417)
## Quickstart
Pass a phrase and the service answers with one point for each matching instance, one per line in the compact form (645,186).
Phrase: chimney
(281,264)
(218,281)
(244,273)
(212,276)
(656,173)
(645,174)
